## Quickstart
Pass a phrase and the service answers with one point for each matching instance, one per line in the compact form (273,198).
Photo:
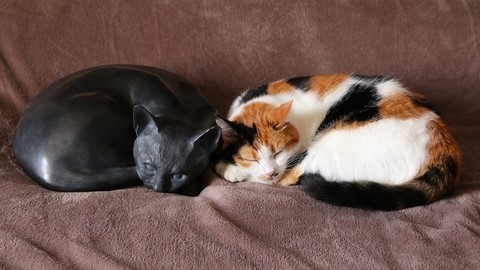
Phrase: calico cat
(349,140)
(110,127)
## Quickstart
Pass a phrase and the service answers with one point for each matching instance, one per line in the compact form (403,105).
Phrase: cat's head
(169,154)
(260,140)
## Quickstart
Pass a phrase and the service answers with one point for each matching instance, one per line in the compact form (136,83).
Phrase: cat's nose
(158,187)
(269,171)
(272,174)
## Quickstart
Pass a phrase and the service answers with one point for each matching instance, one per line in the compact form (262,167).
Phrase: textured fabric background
(223,48)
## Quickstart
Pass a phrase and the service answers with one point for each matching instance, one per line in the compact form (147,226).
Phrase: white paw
(230,172)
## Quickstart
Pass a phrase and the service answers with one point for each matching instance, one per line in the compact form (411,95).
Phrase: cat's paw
(230,172)
(291,177)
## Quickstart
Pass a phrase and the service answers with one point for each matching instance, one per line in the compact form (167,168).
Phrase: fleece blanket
(223,48)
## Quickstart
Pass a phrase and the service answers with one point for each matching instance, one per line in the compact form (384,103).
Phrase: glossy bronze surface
(79,133)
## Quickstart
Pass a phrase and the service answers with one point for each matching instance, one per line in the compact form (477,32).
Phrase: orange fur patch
(276,140)
(280,114)
(399,105)
(351,125)
(263,114)
(256,112)
(442,144)
(290,177)
(272,130)
(324,84)
(245,156)
(279,87)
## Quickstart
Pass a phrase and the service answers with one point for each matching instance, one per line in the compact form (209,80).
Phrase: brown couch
(224,48)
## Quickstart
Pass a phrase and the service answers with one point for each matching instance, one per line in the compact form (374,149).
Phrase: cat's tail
(435,183)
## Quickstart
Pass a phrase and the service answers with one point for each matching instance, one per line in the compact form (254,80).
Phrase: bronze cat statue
(111,127)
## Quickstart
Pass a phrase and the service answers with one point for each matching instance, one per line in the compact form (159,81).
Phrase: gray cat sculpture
(111,127)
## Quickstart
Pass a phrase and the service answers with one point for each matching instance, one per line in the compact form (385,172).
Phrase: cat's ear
(280,113)
(229,135)
(208,139)
(143,120)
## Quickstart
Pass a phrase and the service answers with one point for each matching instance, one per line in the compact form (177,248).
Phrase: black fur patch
(301,83)
(294,161)
(244,135)
(452,170)
(425,104)
(441,176)
(367,195)
(359,104)
(254,93)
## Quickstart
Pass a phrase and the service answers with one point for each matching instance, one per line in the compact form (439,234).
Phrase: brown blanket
(223,48)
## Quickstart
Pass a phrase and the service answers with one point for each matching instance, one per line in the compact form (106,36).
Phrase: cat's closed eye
(278,153)
(249,159)
(280,127)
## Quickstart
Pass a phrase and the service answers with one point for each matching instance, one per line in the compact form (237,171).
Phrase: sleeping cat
(348,140)
(112,126)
